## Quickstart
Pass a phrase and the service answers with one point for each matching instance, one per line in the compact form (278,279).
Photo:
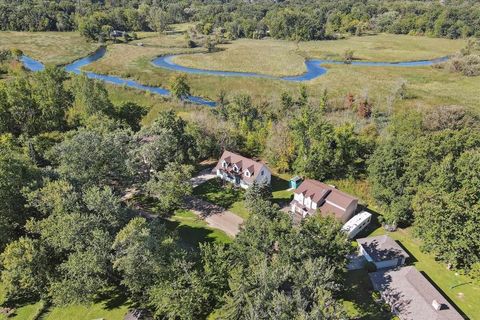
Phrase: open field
(48,47)
(284,58)
(426,86)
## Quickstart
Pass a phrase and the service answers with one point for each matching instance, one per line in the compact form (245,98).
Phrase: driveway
(202,177)
(215,216)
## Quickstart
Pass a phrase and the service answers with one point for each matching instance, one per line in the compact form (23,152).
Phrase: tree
(90,98)
(170,187)
(257,191)
(141,253)
(93,158)
(16,172)
(132,114)
(165,141)
(348,56)
(179,87)
(25,269)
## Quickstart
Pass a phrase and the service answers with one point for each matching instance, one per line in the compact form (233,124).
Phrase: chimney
(436,305)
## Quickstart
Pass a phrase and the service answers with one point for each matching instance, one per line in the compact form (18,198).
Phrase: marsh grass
(51,48)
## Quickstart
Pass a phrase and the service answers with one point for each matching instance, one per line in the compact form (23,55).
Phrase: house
(295,182)
(411,296)
(241,171)
(383,251)
(312,196)
(357,224)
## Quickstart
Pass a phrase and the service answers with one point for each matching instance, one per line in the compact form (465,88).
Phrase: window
(224,164)
(247,173)
(235,168)
(262,173)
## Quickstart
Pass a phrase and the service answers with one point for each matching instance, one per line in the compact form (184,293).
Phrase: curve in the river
(76,66)
(314,68)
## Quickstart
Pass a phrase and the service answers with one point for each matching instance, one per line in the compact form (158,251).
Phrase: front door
(237,180)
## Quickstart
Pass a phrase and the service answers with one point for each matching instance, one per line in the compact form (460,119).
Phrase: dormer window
(247,173)
(224,164)
(235,168)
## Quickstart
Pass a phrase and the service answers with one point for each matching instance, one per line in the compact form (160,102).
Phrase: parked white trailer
(357,223)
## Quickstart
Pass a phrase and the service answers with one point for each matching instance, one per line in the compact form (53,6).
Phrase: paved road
(215,216)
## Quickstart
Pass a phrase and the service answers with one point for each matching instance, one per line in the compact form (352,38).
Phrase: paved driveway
(202,177)
(215,216)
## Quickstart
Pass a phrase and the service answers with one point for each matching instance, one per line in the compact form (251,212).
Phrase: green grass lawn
(49,47)
(192,230)
(357,298)
(224,195)
(112,308)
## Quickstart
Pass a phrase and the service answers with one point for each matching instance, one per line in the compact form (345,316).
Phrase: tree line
(294,20)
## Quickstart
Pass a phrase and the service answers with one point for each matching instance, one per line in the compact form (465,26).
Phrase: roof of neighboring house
(328,198)
(412,295)
(243,164)
(382,248)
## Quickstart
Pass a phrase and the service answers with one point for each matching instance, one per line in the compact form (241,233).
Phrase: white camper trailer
(357,223)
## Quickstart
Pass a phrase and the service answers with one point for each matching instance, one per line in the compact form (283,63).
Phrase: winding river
(315,68)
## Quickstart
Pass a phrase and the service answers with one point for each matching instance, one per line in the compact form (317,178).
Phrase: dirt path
(215,216)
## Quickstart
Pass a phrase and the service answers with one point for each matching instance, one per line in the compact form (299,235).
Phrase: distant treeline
(294,20)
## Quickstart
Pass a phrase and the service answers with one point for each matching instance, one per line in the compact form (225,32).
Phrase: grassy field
(48,47)
(426,86)
(283,58)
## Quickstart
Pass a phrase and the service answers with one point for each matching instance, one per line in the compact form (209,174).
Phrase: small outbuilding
(357,223)
(295,182)
(383,251)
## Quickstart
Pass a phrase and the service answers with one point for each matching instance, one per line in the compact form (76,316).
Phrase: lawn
(357,298)
(49,47)
(223,194)
(192,230)
(112,308)
(458,288)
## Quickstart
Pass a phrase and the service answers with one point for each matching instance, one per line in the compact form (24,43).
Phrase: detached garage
(383,251)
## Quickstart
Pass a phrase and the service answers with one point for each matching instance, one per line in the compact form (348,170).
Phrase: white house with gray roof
(241,171)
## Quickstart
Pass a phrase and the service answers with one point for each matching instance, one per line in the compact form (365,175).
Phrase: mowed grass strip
(51,48)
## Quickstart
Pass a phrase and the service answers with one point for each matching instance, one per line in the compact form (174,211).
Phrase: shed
(383,251)
(295,182)
(357,223)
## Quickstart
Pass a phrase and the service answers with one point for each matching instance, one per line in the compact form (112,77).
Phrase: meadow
(52,48)
(426,86)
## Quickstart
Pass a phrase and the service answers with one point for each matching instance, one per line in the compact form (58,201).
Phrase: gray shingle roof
(412,295)
(382,248)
